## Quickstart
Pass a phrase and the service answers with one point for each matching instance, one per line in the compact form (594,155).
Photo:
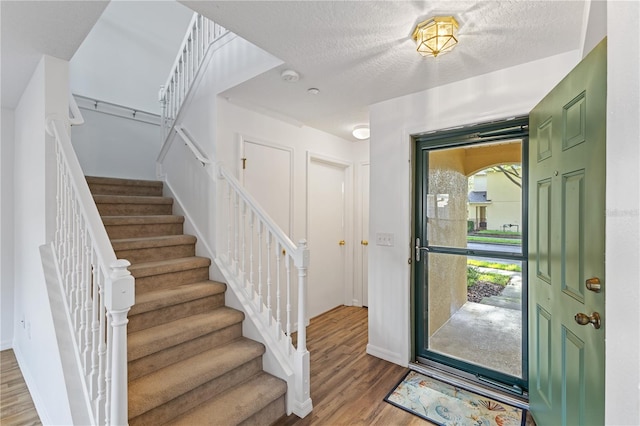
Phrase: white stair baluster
(268,241)
(102,351)
(287,267)
(260,301)
(243,277)
(251,232)
(278,313)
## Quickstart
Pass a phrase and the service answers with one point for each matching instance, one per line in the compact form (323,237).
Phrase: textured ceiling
(361,52)
(355,52)
(31,28)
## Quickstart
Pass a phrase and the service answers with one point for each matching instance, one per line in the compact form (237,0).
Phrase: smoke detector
(290,76)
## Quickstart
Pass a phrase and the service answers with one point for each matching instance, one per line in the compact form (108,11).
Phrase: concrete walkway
(487,333)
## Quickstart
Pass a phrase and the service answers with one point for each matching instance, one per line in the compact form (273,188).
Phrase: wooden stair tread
(151,340)
(176,379)
(131,199)
(162,298)
(150,242)
(147,269)
(142,220)
(237,404)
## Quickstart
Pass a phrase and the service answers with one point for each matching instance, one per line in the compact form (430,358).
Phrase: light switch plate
(384,239)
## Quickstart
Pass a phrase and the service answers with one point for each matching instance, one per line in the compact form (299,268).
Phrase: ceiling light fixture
(436,35)
(361,132)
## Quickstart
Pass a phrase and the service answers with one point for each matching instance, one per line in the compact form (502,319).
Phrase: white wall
(231,60)
(497,95)
(219,138)
(35,342)
(622,326)
(216,125)
(112,146)
(235,122)
(129,53)
(6,229)
(595,25)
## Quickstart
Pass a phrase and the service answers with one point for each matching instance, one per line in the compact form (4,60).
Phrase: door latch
(418,249)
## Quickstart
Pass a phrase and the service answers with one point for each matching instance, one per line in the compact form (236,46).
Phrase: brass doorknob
(584,319)
(364,242)
(593,284)
(341,242)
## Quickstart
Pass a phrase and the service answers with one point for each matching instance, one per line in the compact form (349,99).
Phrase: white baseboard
(33,390)
(387,355)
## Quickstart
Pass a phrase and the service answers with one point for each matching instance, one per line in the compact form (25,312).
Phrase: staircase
(188,363)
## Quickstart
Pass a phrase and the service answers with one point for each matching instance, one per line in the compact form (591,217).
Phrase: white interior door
(327,235)
(266,174)
(364,243)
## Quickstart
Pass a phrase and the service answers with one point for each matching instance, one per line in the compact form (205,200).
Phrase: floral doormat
(444,404)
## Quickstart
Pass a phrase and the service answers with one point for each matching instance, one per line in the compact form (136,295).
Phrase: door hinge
(244,163)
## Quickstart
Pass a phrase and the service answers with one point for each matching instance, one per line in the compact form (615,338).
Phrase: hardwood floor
(16,405)
(347,385)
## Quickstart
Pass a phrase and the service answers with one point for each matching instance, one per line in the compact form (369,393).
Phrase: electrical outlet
(384,239)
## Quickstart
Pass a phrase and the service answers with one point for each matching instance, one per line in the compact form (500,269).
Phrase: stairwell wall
(34,339)
(112,146)
(231,61)
(6,229)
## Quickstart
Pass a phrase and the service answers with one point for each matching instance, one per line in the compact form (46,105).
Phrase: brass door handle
(594,284)
(364,242)
(584,319)
(341,242)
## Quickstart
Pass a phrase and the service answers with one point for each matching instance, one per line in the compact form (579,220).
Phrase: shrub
(472,275)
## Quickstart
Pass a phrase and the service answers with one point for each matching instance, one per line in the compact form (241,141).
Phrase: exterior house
(26,188)
(495,202)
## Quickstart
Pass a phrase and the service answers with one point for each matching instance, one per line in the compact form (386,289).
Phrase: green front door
(566,248)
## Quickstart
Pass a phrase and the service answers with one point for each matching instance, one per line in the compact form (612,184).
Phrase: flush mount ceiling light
(361,132)
(436,35)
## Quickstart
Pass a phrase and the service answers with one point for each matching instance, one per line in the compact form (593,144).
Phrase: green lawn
(505,233)
(502,266)
(493,240)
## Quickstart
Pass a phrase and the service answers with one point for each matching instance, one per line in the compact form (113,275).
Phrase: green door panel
(566,247)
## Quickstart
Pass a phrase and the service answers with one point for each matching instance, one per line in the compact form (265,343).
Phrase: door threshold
(471,382)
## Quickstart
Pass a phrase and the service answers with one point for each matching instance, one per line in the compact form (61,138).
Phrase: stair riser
(150,363)
(199,395)
(175,312)
(157,253)
(106,189)
(143,230)
(172,279)
(268,414)
(120,209)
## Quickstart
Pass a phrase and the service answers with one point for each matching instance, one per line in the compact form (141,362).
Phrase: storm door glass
(470,295)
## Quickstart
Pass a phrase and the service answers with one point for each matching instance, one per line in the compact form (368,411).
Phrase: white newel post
(119,299)
(302,365)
